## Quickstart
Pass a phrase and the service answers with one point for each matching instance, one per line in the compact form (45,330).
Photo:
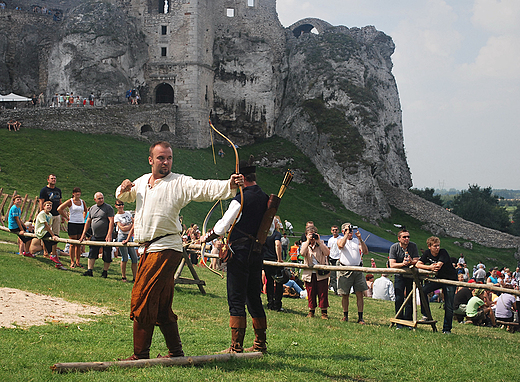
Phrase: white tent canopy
(11,97)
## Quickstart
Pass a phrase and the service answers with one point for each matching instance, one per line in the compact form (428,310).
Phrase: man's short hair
(159,143)
(333,226)
(50,176)
(344,226)
(404,230)
(432,240)
(311,228)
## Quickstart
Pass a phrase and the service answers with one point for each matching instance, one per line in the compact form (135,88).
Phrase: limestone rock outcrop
(332,92)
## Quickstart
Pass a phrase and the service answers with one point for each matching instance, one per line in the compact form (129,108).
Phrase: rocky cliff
(332,93)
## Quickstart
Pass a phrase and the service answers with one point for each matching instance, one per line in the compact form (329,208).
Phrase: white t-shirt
(333,246)
(125,218)
(349,254)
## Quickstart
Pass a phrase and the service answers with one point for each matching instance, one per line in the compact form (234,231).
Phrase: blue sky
(457,67)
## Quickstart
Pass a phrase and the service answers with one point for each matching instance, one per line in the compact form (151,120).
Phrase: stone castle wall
(148,122)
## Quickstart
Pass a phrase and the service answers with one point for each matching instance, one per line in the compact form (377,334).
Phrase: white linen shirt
(158,207)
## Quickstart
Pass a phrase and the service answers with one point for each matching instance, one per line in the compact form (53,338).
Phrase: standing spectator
(91,99)
(303,237)
(53,194)
(480,274)
(159,197)
(315,252)
(273,252)
(350,254)
(43,231)
(438,260)
(41,100)
(461,259)
(289,227)
(493,277)
(333,256)
(124,223)
(16,226)
(403,254)
(383,289)
(55,100)
(285,246)
(76,218)
(101,219)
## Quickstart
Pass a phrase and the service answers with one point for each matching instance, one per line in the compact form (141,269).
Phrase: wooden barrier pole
(140,363)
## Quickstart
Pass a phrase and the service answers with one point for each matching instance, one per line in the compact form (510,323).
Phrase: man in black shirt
(273,252)
(52,193)
(438,260)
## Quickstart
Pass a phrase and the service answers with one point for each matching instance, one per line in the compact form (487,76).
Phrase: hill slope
(101,162)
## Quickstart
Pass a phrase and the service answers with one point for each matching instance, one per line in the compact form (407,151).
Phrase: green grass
(300,349)
(101,162)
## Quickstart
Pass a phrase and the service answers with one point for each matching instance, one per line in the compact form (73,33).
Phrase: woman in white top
(76,218)
(125,228)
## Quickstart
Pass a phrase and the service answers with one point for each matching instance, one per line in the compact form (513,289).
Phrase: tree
(480,206)
(515,226)
(427,194)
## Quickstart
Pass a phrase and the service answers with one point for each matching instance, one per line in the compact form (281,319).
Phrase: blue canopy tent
(373,242)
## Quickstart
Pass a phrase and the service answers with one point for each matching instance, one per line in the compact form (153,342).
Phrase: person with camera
(402,255)
(351,249)
(315,252)
(272,251)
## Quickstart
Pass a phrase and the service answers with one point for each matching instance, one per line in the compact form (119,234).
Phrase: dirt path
(23,309)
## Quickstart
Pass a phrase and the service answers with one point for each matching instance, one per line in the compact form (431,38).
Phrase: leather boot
(143,334)
(238,332)
(260,343)
(173,340)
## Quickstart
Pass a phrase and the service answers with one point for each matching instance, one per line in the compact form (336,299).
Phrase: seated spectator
(505,306)
(462,296)
(370,283)
(383,289)
(16,226)
(43,231)
(479,310)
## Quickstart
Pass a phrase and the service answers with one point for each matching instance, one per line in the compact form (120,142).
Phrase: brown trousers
(152,294)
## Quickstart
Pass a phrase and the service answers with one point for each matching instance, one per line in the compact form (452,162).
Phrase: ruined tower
(181,35)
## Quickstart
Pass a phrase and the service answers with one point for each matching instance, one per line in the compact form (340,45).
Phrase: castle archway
(165,127)
(309,25)
(164,93)
(146,128)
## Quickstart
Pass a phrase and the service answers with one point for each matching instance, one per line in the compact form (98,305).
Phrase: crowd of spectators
(472,305)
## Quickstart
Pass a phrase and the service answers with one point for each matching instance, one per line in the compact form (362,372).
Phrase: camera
(315,236)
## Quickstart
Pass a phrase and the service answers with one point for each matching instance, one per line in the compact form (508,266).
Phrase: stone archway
(146,129)
(307,25)
(165,127)
(164,93)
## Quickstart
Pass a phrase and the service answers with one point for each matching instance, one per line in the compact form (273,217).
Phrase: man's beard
(164,171)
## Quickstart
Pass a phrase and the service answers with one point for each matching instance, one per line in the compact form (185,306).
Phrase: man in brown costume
(159,197)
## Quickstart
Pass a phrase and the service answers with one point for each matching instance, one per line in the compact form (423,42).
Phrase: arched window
(165,127)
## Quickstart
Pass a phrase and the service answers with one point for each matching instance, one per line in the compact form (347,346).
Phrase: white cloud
(498,59)
(497,16)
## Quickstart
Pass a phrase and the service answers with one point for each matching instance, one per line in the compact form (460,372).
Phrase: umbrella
(11,97)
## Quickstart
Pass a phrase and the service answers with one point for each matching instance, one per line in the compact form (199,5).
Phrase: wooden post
(140,363)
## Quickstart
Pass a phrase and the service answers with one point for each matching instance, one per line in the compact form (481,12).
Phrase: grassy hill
(101,162)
